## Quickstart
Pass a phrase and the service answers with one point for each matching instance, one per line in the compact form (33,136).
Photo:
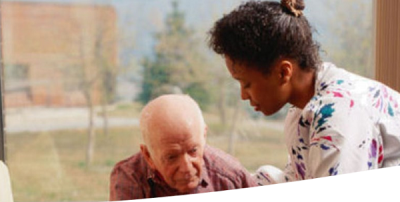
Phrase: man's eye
(193,151)
(247,85)
(171,157)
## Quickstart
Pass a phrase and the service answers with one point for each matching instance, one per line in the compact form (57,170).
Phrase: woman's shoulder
(336,84)
(330,76)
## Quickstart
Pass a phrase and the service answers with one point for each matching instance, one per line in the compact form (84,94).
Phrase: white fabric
(5,185)
(351,124)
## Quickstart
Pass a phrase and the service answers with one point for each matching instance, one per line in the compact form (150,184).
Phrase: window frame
(2,117)
(2,135)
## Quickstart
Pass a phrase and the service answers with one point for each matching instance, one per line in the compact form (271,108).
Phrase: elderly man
(175,158)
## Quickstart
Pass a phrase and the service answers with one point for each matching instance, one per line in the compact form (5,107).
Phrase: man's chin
(188,187)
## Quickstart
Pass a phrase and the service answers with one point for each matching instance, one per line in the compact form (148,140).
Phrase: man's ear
(285,71)
(205,132)
(147,157)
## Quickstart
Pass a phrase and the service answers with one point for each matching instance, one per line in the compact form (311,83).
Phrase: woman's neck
(303,88)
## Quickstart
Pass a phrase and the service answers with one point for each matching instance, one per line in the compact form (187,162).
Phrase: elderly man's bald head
(169,115)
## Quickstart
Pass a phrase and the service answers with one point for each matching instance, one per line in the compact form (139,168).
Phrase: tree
(105,59)
(178,64)
(93,69)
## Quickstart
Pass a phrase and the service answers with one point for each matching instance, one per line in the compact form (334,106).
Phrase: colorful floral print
(343,127)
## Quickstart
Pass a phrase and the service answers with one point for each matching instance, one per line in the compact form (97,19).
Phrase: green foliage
(154,75)
(198,92)
(178,65)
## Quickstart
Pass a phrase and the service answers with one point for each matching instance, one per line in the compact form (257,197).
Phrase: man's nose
(186,164)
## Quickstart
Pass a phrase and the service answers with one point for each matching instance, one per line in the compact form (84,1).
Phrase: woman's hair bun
(294,6)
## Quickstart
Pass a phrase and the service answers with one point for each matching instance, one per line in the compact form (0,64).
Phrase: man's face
(178,157)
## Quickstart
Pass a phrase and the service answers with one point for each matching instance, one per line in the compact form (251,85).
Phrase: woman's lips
(256,107)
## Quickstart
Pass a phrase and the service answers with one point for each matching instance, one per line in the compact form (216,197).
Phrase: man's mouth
(187,179)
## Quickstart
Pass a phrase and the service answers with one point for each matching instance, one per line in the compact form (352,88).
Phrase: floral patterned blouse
(351,124)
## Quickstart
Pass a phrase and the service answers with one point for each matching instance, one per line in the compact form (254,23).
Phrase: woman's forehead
(237,70)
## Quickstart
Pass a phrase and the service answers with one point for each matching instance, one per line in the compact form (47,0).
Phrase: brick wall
(62,45)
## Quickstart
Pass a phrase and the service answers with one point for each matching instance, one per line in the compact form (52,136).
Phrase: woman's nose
(243,94)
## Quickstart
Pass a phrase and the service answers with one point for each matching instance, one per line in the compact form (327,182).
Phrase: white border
(375,185)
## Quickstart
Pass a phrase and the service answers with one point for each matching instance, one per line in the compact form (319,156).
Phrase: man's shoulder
(134,159)
(129,179)
(133,165)
(221,162)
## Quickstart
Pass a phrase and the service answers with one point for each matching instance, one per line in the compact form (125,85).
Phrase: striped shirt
(132,178)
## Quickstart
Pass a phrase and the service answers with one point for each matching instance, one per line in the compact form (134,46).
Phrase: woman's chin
(268,113)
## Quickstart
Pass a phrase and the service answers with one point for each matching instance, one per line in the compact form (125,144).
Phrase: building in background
(57,55)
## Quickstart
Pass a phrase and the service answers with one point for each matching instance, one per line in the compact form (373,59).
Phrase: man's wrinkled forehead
(172,111)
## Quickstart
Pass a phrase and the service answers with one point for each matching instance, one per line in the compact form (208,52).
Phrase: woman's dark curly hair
(258,33)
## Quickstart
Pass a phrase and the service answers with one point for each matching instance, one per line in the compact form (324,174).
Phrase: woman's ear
(147,157)
(285,71)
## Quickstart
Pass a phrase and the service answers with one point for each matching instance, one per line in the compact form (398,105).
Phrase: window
(18,88)
(77,75)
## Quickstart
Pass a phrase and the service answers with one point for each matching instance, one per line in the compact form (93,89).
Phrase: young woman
(339,122)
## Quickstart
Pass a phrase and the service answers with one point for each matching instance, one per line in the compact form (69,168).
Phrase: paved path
(48,119)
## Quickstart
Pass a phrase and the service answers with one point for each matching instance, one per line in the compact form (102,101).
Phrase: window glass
(77,74)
